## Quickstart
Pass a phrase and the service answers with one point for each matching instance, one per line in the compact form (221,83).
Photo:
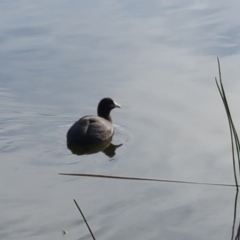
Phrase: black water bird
(93,129)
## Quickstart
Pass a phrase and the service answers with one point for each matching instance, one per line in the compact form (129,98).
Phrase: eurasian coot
(93,129)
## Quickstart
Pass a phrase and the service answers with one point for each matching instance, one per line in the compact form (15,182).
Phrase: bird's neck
(105,116)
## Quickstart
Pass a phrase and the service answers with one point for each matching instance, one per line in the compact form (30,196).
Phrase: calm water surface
(158,60)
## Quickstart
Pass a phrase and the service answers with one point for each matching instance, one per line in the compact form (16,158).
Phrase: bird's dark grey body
(90,130)
(93,129)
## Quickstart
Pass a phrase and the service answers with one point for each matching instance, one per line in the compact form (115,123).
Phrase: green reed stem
(84,219)
(145,179)
(233,132)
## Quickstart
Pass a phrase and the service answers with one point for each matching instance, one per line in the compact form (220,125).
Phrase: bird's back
(89,130)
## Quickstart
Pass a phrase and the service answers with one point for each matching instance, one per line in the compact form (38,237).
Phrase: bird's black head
(105,106)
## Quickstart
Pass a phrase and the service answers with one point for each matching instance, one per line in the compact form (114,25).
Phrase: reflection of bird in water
(106,147)
(110,150)
(93,129)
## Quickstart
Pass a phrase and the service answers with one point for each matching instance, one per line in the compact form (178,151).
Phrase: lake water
(158,60)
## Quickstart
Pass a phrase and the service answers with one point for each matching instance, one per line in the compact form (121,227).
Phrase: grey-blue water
(158,60)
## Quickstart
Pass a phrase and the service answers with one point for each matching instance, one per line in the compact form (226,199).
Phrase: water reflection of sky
(71,40)
(158,59)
